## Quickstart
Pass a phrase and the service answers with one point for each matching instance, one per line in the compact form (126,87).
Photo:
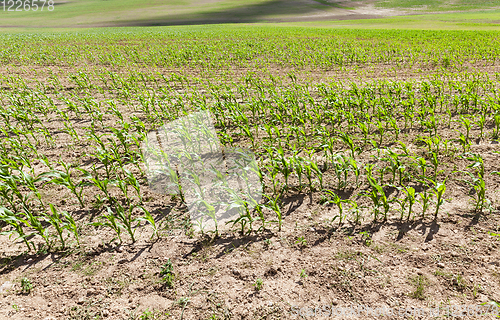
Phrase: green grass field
(481,20)
(438,5)
(96,13)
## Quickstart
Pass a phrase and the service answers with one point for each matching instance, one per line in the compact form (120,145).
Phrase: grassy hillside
(99,13)
(156,12)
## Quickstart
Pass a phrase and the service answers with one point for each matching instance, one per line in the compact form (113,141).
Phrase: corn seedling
(258,284)
(274,204)
(335,199)
(380,201)
(62,221)
(109,220)
(477,182)
(409,200)
(16,223)
(439,190)
(63,178)
(148,218)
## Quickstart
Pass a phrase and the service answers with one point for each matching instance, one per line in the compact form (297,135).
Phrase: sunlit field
(378,151)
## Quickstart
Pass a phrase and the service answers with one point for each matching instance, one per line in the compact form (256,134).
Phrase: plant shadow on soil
(229,243)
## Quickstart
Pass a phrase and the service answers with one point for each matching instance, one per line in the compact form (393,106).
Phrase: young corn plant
(298,169)
(132,181)
(16,223)
(148,218)
(248,133)
(285,166)
(341,165)
(481,122)
(30,182)
(274,204)
(347,140)
(109,220)
(9,189)
(245,219)
(477,181)
(71,226)
(63,178)
(209,210)
(380,201)
(35,222)
(93,179)
(262,218)
(395,165)
(467,123)
(62,221)
(395,128)
(425,200)
(123,186)
(55,220)
(435,164)
(439,190)
(125,218)
(335,199)
(409,200)
(381,132)
(319,174)
(421,165)
(354,166)
(309,174)
(106,159)
(496,131)
(365,129)
(464,142)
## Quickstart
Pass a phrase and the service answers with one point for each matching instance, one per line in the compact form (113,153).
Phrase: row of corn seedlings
(334,137)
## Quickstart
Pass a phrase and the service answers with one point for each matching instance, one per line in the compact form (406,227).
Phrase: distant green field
(439,5)
(339,152)
(481,20)
(222,47)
